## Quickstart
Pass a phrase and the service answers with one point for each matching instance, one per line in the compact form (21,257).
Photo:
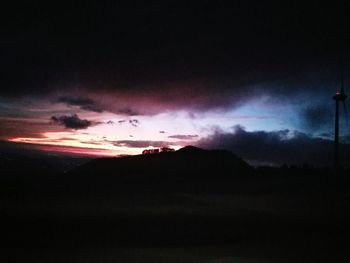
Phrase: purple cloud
(184,136)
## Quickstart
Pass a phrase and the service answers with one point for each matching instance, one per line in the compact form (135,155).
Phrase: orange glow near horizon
(75,147)
(79,144)
(78,151)
(113,135)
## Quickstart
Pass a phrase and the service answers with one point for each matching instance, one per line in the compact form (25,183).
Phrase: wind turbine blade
(346,114)
(345,109)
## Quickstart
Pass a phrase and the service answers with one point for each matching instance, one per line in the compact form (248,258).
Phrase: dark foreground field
(186,207)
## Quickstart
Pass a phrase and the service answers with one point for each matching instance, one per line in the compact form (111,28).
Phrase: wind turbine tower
(338,97)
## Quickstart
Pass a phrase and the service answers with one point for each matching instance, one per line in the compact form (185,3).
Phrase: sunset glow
(121,87)
(107,133)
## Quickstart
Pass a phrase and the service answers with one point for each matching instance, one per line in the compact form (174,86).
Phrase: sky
(114,79)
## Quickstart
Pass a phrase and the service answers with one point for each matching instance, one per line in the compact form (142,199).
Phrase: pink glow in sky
(98,127)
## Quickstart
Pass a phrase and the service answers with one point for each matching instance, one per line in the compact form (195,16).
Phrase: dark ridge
(188,161)
(191,149)
(185,169)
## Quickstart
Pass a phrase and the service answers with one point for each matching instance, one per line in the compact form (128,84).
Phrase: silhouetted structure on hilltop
(155,151)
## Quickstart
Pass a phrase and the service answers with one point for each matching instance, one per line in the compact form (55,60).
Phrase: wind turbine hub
(339,96)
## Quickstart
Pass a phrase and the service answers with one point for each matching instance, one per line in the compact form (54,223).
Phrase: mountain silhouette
(188,169)
(187,161)
(192,150)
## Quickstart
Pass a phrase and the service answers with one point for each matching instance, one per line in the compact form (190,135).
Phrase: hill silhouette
(188,161)
(188,169)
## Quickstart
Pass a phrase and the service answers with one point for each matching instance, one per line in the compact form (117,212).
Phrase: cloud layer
(184,136)
(140,143)
(84,103)
(171,57)
(276,147)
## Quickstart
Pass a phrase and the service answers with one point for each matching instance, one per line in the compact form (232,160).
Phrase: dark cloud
(183,136)
(276,147)
(140,143)
(134,122)
(121,121)
(161,131)
(72,122)
(214,52)
(83,103)
(317,116)
(110,122)
(326,135)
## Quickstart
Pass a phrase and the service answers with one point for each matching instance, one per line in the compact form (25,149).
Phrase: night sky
(256,78)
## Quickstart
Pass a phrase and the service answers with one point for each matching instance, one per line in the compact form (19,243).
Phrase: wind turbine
(338,97)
